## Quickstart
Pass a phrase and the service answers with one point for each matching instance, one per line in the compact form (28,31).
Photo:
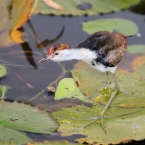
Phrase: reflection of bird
(102,50)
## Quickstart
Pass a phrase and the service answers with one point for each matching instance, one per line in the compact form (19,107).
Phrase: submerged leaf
(71,7)
(123,26)
(16,116)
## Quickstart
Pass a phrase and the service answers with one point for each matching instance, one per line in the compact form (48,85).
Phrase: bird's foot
(109,88)
(100,117)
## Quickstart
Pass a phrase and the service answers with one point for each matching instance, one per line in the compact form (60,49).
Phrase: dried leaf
(20,14)
(12,20)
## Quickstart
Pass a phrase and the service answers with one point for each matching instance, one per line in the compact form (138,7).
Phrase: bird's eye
(56,53)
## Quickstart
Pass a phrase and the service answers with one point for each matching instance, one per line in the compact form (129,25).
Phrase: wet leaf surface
(114,24)
(3,71)
(26,118)
(71,7)
(12,19)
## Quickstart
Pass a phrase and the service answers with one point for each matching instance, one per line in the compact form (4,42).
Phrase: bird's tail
(138,35)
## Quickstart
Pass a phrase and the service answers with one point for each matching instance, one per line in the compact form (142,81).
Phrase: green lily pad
(13,136)
(123,26)
(6,143)
(131,85)
(17,117)
(67,88)
(136,49)
(3,71)
(85,7)
(129,123)
(56,143)
(126,111)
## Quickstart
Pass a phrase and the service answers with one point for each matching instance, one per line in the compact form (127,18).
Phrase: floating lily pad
(12,136)
(13,19)
(129,123)
(72,7)
(123,26)
(131,84)
(67,88)
(126,111)
(17,117)
(6,143)
(136,49)
(3,71)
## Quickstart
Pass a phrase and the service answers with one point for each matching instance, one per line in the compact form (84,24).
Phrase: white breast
(101,67)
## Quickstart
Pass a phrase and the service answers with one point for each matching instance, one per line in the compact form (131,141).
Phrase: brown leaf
(138,62)
(13,15)
(20,14)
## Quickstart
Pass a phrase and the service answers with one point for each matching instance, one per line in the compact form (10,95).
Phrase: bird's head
(56,52)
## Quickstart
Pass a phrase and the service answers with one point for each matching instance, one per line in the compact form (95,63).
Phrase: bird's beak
(46,57)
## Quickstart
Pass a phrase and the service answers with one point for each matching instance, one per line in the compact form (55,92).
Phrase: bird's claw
(100,117)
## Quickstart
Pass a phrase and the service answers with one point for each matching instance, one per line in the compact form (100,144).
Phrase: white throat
(73,53)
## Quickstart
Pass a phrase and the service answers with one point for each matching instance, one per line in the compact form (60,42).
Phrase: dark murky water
(28,80)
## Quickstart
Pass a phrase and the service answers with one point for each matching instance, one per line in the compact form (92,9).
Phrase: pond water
(28,81)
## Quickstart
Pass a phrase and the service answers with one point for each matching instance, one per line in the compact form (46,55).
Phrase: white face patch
(78,54)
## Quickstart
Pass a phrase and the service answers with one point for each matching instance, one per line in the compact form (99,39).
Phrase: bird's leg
(106,86)
(108,104)
(108,82)
(116,89)
(115,80)
(101,116)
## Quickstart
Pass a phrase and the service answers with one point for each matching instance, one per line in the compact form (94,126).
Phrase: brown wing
(118,48)
(109,47)
(96,41)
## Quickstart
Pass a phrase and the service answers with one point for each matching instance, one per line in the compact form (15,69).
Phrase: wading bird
(102,50)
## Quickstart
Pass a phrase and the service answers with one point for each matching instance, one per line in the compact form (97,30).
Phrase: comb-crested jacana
(102,50)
